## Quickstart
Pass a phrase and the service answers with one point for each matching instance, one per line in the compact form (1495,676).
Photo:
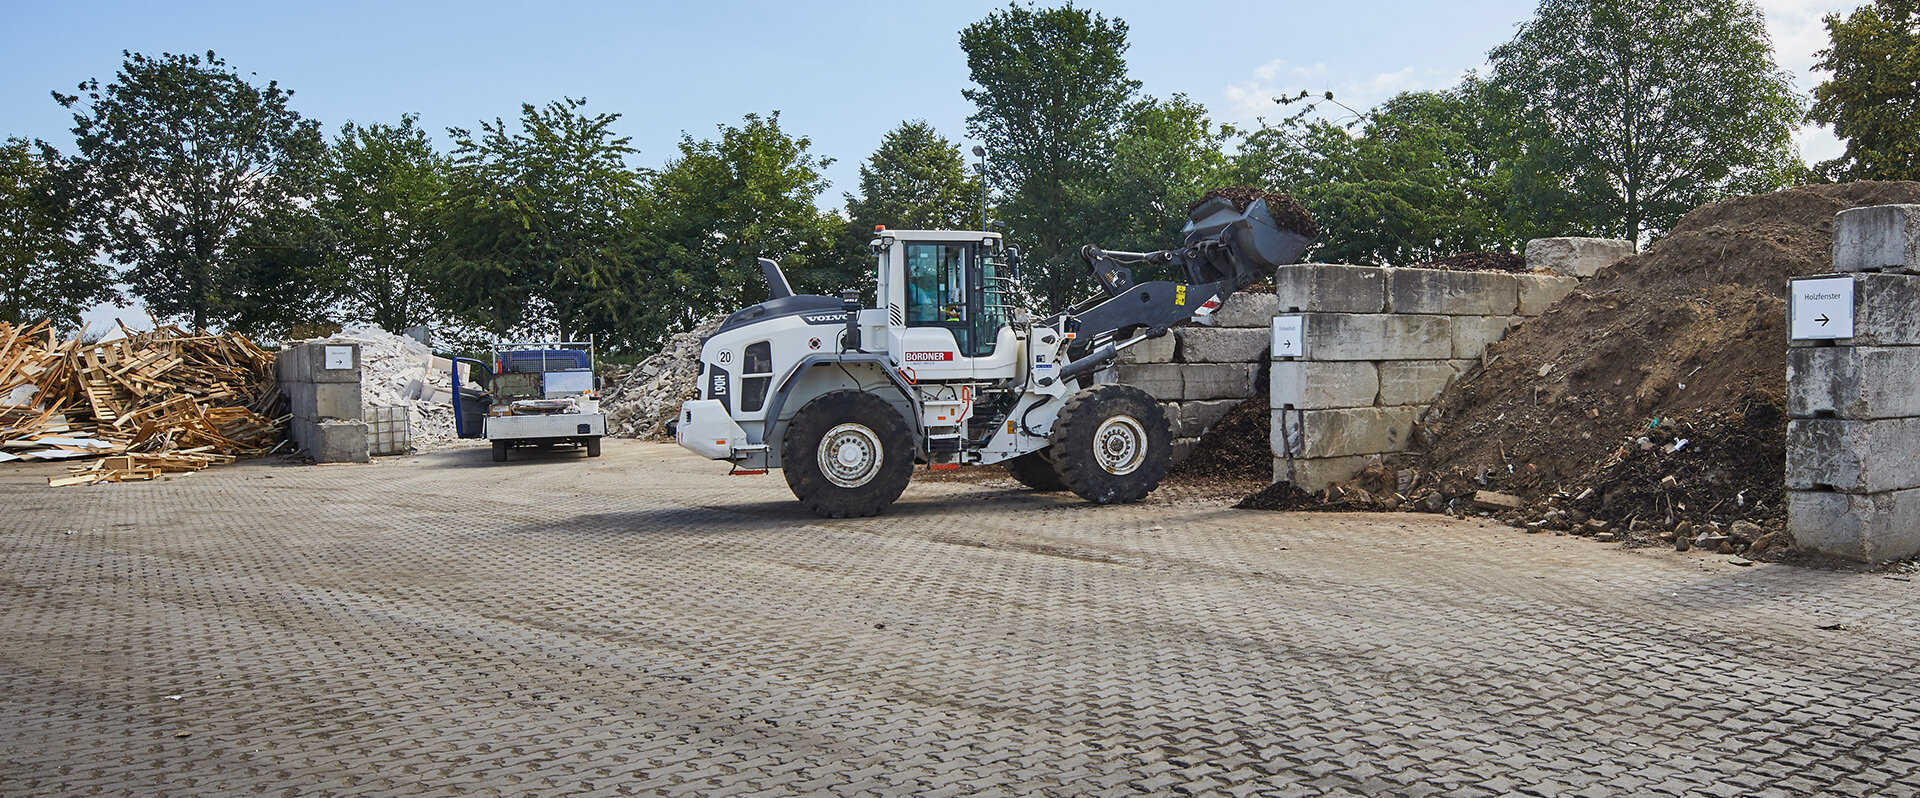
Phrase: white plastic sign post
(1287,337)
(1821,308)
(339,357)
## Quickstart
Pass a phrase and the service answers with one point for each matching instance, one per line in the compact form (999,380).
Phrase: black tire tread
(1035,471)
(1073,429)
(801,440)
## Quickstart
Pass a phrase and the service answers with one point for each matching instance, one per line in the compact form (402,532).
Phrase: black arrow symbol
(1822,318)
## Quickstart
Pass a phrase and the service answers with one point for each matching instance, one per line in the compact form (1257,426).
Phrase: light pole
(981,170)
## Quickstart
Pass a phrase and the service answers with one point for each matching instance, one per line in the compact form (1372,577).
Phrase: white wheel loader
(944,370)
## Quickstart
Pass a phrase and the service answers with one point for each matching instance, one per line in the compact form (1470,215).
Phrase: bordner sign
(1820,308)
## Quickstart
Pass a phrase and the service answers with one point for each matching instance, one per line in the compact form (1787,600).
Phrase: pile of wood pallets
(148,403)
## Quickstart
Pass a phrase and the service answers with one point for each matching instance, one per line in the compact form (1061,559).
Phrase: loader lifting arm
(1226,250)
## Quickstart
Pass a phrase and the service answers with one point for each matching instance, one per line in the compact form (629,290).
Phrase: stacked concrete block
(1576,257)
(322,383)
(1378,345)
(1853,435)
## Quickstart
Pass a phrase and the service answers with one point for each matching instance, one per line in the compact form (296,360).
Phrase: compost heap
(647,395)
(1287,213)
(1647,403)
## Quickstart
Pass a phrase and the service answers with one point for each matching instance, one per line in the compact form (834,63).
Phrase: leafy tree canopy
(381,200)
(180,154)
(535,223)
(46,272)
(1873,99)
(1659,105)
(916,180)
(1052,86)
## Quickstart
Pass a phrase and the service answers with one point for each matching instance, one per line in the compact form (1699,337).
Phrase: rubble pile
(146,404)
(398,371)
(647,395)
(1646,406)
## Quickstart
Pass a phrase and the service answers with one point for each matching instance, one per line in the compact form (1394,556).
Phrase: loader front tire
(847,454)
(1111,444)
(1035,471)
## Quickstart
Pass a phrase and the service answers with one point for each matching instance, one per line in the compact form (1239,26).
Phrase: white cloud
(1798,32)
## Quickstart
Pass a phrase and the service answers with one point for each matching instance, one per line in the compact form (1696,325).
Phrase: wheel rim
(1120,445)
(850,455)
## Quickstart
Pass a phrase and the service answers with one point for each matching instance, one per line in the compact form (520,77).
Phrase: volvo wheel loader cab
(943,369)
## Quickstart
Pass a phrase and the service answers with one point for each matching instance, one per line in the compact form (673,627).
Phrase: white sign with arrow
(1821,308)
(1287,336)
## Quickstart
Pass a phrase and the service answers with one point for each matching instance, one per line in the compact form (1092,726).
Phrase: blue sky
(840,73)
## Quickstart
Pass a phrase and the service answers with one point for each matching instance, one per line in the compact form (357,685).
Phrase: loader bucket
(1257,244)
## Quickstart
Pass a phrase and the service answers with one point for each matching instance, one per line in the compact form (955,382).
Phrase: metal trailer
(533,394)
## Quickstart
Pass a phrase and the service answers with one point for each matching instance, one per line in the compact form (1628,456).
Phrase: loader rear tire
(1035,471)
(1111,444)
(847,454)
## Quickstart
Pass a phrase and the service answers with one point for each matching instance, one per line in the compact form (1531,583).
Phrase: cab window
(936,284)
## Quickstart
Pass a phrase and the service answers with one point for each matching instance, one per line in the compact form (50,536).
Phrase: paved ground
(640,624)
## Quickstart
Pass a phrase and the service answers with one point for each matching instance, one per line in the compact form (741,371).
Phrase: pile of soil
(1236,447)
(1579,413)
(1288,213)
(1479,262)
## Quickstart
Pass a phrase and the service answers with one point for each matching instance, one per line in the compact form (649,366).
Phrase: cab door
(953,325)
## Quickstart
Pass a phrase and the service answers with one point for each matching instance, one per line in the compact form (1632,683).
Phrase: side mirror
(1013,262)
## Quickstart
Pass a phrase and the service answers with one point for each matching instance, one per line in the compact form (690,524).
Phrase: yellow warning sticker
(1180,295)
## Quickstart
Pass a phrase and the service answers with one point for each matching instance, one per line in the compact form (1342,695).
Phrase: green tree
(1661,105)
(1166,154)
(1873,98)
(916,180)
(382,196)
(46,271)
(181,155)
(726,202)
(537,225)
(1052,88)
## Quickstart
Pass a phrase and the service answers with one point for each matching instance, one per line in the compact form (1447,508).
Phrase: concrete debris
(398,371)
(647,395)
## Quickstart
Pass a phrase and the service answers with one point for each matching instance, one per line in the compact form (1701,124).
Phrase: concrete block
(315,359)
(1416,382)
(1163,380)
(1875,527)
(1340,433)
(1853,456)
(1538,292)
(1217,380)
(1886,308)
(1179,449)
(338,442)
(1450,293)
(1472,334)
(1574,256)
(1377,336)
(1319,473)
(290,365)
(1329,288)
(1247,310)
(1192,419)
(1853,382)
(1878,238)
(1324,384)
(336,400)
(1152,350)
(1224,344)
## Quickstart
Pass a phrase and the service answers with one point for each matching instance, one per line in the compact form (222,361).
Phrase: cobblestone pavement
(640,624)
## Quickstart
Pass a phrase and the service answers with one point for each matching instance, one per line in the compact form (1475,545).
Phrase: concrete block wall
(1199,373)
(327,413)
(1380,344)
(1853,434)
